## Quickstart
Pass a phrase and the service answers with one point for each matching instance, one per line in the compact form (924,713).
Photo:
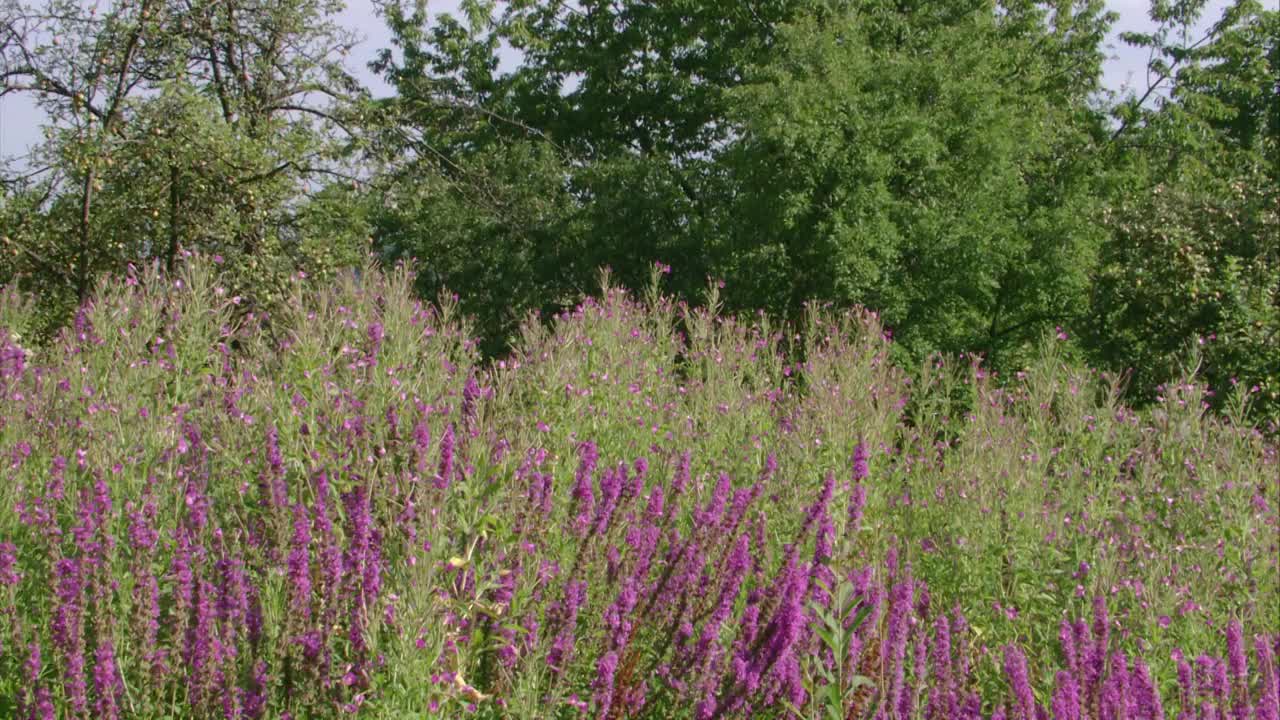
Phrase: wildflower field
(646,510)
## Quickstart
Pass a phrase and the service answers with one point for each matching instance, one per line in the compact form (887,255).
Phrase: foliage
(955,166)
(1190,261)
(338,512)
(174,127)
(771,145)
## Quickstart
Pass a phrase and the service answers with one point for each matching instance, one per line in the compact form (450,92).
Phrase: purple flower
(1066,638)
(895,641)
(421,446)
(198,649)
(711,514)
(819,508)
(142,532)
(300,564)
(611,485)
(1015,667)
(1238,666)
(860,457)
(67,631)
(36,703)
(942,697)
(107,683)
(445,474)
(1268,707)
(1096,653)
(1147,705)
(12,358)
(615,616)
(471,393)
(735,570)
(784,627)
(1115,699)
(603,685)
(640,474)
(1066,698)
(681,479)
(9,565)
(1186,687)
(575,594)
(857,504)
(656,506)
(275,493)
(255,699)
(582,490)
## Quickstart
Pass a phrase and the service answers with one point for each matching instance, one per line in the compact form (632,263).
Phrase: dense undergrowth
(647,510)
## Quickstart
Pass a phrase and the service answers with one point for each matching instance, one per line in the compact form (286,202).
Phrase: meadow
(646,510)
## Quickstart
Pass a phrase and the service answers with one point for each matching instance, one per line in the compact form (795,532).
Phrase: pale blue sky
(19,119)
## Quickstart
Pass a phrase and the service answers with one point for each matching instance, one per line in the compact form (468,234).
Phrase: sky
(20,119)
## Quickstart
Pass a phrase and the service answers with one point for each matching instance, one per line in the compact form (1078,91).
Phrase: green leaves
(1186,265)
(176,127)
(831,688)
(802,150)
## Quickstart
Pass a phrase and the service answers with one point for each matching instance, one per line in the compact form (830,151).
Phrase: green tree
(932,161)
(1192,259)
(176,125)
(928,160)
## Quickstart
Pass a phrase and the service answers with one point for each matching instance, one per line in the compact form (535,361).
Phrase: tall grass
(647,510)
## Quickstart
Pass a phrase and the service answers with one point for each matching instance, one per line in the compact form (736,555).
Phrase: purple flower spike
(1237,666)
(603,685)
(300,564)
(445,474)
(1147,697)
(583,495)
(9,565)
(942,697)
(860,456)
(108,686)
(471,393)
(421,446)
(1015,667)
(1269,695)
(1066,698)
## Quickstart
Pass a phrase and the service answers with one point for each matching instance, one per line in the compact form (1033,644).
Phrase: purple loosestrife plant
(444,474)
(561,652)
(1237,666)
(1268,705)
(895,639)
(736,566)
(1066,698)
(942,692)
(300,599)
(1147,705)
(602,688)
(611,486)
(471,393)
(583,494)
(708,601)
(9,575)
(108,687)
(67,630)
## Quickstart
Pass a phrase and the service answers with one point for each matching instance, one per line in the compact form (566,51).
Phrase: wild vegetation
(647,509)
(840,455)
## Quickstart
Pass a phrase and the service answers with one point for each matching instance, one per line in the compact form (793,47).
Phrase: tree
(1192,258)
(931,161)
(176,124)
(925,159)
